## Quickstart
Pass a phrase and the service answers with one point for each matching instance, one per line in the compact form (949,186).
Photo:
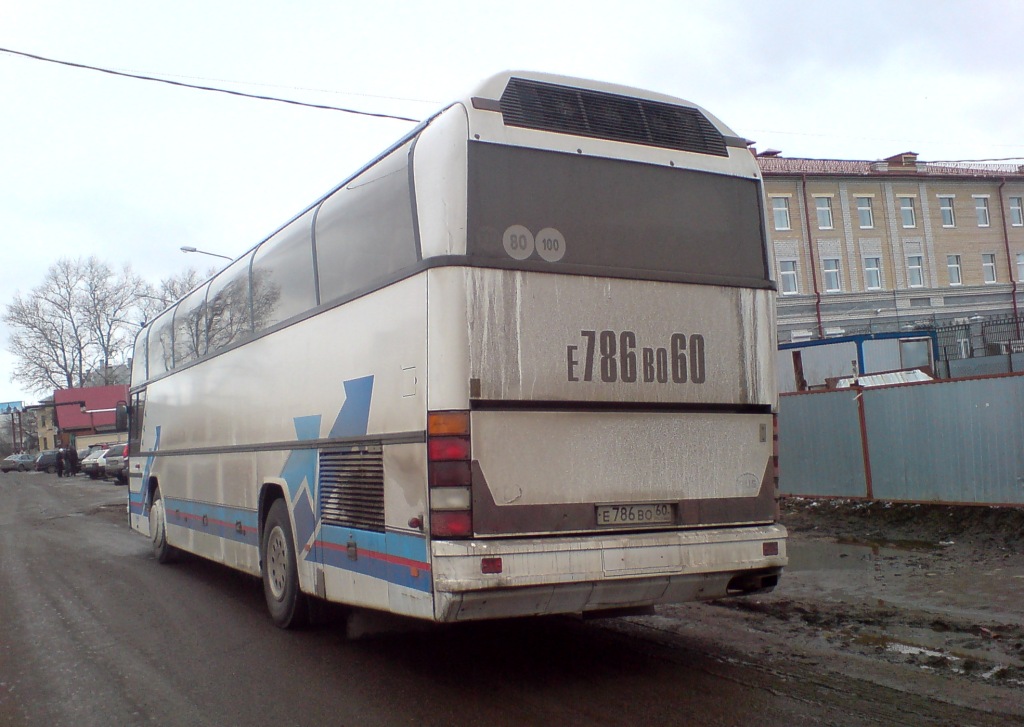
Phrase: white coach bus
(520,363)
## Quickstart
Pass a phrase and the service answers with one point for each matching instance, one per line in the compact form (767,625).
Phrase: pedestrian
(60,463)
(72,462)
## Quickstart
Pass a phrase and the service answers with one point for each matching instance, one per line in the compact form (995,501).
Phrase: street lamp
(189,248)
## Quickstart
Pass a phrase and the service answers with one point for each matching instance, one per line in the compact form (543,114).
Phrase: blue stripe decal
(231,523)
(137,501)
(301,464)
(394,557)
(305,520)
(354,417)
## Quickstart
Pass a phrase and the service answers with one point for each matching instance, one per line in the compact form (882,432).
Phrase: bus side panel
(448,362)
(409,573)
(355,372)
(441,159)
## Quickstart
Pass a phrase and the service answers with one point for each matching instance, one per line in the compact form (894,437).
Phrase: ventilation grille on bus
(599,115)
(352,487)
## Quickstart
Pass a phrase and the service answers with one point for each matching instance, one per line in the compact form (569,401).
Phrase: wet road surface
(94,632)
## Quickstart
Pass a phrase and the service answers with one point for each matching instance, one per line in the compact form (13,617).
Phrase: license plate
(650,514)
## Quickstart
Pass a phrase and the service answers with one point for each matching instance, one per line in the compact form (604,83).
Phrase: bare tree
(49,334)
(113,308)
(77,325)
(170,289)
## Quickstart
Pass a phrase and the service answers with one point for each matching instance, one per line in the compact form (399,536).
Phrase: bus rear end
(600,384)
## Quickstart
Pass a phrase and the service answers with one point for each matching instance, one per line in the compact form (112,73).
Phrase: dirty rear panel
(620,333)
(593,394)
(537,337)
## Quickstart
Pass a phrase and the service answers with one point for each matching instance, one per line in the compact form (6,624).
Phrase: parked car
(90,464)
(115,463)
(19,462)
(82,454)
(101,462)
(47,461)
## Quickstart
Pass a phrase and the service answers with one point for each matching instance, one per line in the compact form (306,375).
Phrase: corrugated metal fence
(958,441)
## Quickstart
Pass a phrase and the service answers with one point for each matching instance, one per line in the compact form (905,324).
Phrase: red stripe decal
(392,559)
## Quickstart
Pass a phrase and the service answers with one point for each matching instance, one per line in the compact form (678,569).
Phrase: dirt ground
(926,601)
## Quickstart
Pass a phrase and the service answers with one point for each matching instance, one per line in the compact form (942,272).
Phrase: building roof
(905,164)
(885,379)
(100,402)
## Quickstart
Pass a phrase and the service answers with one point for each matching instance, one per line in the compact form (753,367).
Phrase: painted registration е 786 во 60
(616,357)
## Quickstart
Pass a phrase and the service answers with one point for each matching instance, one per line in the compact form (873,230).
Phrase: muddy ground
(924,600)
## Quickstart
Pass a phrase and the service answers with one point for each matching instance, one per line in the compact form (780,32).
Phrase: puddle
(816,555)
(919,546)
(909,650)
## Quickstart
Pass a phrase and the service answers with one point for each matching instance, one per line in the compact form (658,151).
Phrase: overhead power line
(433,102)
(182,84)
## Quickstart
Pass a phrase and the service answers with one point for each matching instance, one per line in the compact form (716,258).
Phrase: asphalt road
(93,631)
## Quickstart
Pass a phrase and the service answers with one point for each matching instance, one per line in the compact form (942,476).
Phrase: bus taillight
(449,474)
(440,449)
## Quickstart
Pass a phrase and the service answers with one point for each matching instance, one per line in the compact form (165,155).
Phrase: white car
(90,465)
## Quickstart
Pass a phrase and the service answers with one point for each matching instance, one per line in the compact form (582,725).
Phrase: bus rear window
(591,215)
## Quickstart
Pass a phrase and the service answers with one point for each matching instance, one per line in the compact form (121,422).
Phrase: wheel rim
(277,563)
(156,522)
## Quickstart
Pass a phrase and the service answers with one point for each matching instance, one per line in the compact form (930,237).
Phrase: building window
(1020,267)
(981,209)
(907,212)
(915,271)
(823,205)
(873,273)
(780,210)
(830,267)
(1016,211)
(788,281)
(946,210)
(988,267)
(865,215)
(953,265)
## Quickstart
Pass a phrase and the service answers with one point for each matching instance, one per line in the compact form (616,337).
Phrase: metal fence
(981,338)
(959,441)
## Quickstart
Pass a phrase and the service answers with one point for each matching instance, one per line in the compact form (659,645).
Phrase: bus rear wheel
(164,552)
(285,601)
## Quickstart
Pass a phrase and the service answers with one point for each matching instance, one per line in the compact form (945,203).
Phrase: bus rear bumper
(574,575)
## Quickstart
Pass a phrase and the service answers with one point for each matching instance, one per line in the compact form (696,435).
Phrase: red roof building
(87,414)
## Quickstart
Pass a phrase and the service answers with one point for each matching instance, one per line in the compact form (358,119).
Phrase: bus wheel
(280,574)
(163,552)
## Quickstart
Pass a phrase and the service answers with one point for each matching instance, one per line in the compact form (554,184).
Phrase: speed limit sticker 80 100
(614,356)
(520,243)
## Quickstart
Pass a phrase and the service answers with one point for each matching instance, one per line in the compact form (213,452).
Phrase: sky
(130,170)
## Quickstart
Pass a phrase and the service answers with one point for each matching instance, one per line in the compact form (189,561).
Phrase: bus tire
(285,601)
(162,551)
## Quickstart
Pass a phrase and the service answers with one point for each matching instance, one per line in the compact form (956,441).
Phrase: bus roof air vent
(600,115)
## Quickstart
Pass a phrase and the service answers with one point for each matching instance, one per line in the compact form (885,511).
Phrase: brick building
(892,245)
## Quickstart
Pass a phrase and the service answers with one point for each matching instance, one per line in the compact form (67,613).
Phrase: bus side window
(190,327)
(364,231)
(135,415)
(282,274)
(140,356)
(228,313)
(160,343)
